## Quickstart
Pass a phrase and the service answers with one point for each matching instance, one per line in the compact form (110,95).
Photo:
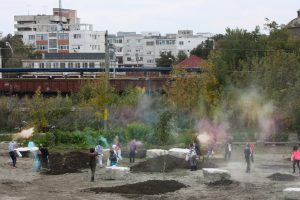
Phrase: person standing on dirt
(113,158)
(11,150)
(295,158)
(45,156)
(247,153)
(193,157)
(99,151)
(92,163)
(252,151)
(117,148)
(228,148)
(196,144)
(132,150)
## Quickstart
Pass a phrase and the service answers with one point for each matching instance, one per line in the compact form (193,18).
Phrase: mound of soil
(222,183)
(150,187)
(69,162)
(281,177)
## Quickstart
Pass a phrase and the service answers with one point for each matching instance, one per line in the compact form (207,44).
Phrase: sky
(165,16)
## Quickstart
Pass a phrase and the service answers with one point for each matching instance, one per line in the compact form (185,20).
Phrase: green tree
(38,112)
(203,49)
(20,51)
(164,131)
(181,56)
(165,60)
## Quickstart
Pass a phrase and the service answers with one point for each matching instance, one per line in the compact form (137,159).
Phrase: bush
(279,137)
(243,136)
(186,138)
(6,137)
(137,131)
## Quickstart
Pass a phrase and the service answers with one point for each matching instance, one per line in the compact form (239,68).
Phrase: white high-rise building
(61,32)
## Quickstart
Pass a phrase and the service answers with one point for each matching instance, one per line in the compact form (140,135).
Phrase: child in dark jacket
(113,158)
(92,163)
(295,158)
(247,153)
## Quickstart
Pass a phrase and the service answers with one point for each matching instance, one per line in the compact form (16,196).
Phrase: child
(45,156)
(92,163)
(113,158)
(99,151)
(132,150)
(252,151)
(193,157)
(227,150)
(247,153)
(295,158)
(11,149)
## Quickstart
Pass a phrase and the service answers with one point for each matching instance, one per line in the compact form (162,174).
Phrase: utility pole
(105,114)
(0,62)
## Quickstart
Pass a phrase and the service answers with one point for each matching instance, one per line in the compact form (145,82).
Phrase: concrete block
(291,193)
(115,173)
(212,175)
(153,153)
(178,152)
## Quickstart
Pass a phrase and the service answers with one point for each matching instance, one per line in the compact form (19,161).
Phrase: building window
(149,52)
(85,65)
(41,37)
(77,65)
(94,37)
(41,65)
(150,61)
(150,43)
(63,47)
(55,65)
(41,47)
(77,36)
(180,42)
(70,65)
(120,41)
(31,37)
(62,65)
(31,65)
(52,35)
(128,58)
(92,65)
(63,36)
(48,65)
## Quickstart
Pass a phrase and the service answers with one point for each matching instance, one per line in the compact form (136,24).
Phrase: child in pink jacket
(295,158)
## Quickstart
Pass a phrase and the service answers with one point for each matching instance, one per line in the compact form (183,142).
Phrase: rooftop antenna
(60,16)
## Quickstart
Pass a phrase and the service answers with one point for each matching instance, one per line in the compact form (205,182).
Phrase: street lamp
(8,45)
(171,61)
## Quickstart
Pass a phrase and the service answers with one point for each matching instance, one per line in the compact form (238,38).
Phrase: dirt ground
(271,172)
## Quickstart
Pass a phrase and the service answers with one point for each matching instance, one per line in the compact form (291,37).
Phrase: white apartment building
(59,33)
(143,49)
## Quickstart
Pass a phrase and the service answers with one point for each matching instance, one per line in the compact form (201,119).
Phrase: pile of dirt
(150,187)
(69,162)
(157,164)
(222,183)
(281,177)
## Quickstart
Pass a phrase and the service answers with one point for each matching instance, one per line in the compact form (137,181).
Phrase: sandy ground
(23,183)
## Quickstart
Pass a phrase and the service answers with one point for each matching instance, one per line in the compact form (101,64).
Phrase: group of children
(115,154)
(39,164)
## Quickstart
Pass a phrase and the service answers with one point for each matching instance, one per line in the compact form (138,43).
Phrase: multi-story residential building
(61,32)
(143,49)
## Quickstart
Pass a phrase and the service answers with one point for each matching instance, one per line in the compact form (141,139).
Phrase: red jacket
(295,155)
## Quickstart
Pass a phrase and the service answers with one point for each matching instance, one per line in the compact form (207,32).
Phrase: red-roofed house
(191,62)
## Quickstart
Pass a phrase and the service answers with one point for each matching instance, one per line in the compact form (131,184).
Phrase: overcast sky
(166,16)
